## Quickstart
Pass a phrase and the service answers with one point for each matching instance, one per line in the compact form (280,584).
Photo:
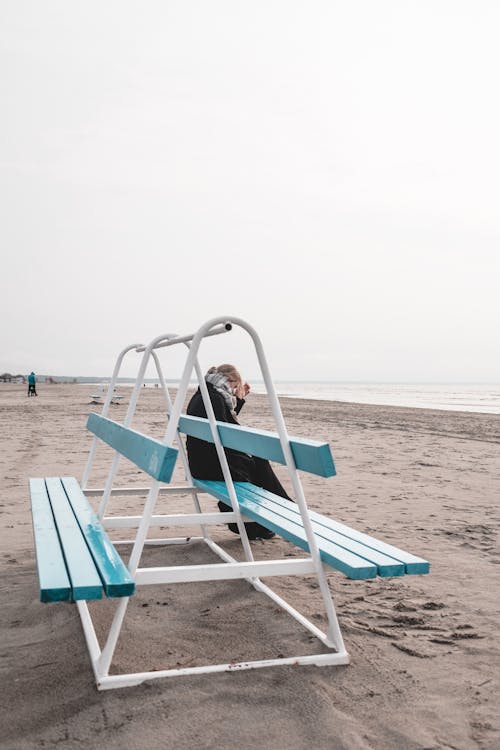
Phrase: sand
(425,656)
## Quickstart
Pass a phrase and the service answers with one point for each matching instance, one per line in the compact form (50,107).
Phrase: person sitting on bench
(227,394)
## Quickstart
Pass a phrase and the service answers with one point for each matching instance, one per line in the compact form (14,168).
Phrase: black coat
(203,459)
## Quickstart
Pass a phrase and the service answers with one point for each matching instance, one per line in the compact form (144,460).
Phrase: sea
(468,397)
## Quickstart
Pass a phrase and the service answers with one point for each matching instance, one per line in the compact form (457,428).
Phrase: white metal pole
(182,450)
(128,417)
(223,462)
(153,492)
(334,633)
(171,340)
(104,411)
(143,527)
(168,404)
(104,660)
(192,362)
(188,369)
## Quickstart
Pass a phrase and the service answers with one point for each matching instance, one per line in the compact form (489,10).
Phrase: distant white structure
(101,392)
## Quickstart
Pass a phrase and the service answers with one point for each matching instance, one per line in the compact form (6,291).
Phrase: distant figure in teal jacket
(32,384)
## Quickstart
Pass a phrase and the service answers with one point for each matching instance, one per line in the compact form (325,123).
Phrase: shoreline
(424,654)
(474,398)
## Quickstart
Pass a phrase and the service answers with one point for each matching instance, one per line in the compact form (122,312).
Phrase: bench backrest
(158,460)
(150,455)
(309,455)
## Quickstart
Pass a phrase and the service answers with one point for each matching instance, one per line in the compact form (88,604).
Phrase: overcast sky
(328,171)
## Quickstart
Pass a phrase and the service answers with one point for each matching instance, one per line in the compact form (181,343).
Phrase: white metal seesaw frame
(250,569)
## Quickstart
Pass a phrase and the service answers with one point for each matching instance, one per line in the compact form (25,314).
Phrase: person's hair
(231,373)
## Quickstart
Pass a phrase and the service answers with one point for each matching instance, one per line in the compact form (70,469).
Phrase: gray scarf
(221,384)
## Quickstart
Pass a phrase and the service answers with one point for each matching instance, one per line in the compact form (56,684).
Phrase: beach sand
(425,655)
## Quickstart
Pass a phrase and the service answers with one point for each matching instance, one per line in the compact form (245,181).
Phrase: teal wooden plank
(309,455)
(150,455)
(386,566)
(413,564)
(337,557)
(82,572)
(54,582)
(115,576)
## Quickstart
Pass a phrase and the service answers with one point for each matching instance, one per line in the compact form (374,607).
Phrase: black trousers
(263,476)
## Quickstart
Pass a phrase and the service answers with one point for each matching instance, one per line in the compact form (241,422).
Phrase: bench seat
(75,557)
(355,554)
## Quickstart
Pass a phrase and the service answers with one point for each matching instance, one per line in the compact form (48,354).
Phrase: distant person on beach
(227,394)
(32,384)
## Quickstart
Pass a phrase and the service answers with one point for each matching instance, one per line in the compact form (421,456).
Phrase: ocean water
(470,397)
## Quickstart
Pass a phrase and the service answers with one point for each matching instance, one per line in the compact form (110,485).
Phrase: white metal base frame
(249,569)
(231,570)
(135,678)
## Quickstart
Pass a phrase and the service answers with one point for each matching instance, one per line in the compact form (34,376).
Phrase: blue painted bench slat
(55,585)
(356,554)
(350,552)
(75,558)
(85,581)
(386,565)
(115,577)
(150,455)
(337,557)
(309,455)
(323,524)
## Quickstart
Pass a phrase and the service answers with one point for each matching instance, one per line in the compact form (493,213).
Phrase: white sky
(328,171)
